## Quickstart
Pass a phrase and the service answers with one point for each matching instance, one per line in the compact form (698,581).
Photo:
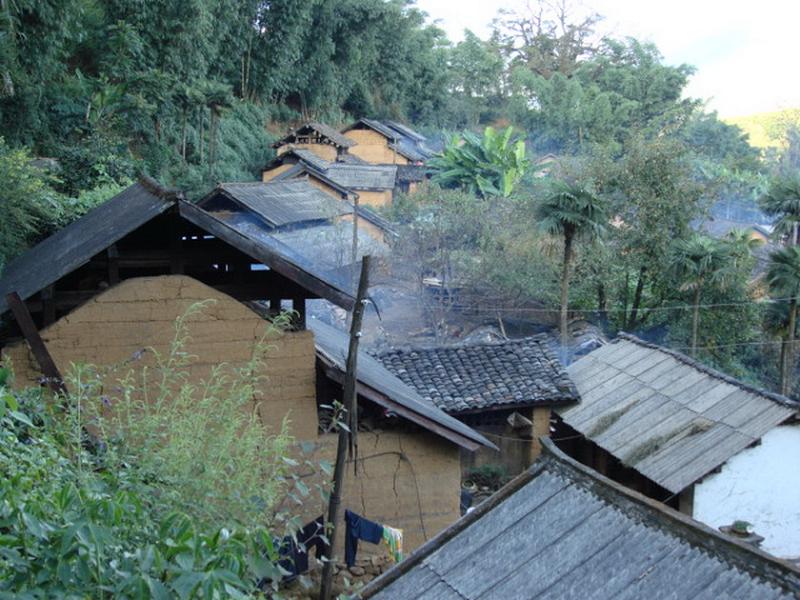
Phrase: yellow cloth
(394,539)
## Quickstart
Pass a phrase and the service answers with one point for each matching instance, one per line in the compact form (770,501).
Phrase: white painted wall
(760,485)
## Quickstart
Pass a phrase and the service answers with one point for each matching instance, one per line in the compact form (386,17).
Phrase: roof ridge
(695,364)
(460,345)
(157,189)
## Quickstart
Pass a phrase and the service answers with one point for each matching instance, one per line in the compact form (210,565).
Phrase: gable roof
(72,246)
(282,203)
(376,126)
(665,415)
(306,156)
(346,176)
(379,385)
(363,177)
(323,130)
(561,530)
(476,377)
(405,130)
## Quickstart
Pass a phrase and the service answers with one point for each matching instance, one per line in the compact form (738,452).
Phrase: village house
(308,221)
(561,530)
(506,390)
(318,139)
(112,284)
(386,143)
(701,441)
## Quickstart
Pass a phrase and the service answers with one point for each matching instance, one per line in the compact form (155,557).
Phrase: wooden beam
(48,305)
(112,254)
(48,366)
(265,255)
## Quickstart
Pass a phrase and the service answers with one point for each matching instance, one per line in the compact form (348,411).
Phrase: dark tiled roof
(324,130)
(665,415)
(333,345)
(522,372)
(561,530)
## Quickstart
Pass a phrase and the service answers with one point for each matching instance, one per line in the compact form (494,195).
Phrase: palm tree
(698,262)
(571,212)
(783,277)
(782,200)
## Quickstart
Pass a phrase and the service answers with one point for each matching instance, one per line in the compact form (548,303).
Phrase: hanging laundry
(358,528)
(394,539)
(294,550)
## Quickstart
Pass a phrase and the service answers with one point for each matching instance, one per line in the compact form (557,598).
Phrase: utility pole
(346,438)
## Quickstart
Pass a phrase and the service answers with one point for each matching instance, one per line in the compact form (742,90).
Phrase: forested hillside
(96,92)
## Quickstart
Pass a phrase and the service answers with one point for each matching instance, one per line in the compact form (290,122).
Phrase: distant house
(685,434)
(505,390)
(112,284)
(561,530)
(387,142)
(300,215)
(319,139)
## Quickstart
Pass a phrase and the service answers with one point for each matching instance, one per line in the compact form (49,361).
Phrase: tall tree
(571,213)
(783,277)
(782,200)
(700,262)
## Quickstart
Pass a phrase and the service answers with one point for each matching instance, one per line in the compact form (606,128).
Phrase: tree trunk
(183,135)
(788,369)
(782,362)
(565,290)
(695,319)
(602,302)
(637,299)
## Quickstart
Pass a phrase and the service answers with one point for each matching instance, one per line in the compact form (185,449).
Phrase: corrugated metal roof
(334,345)
(286,202)
(363,177)
(72,246)
(561,531)
(324,130)
(668,417)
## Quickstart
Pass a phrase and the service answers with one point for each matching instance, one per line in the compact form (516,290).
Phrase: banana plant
(491,165)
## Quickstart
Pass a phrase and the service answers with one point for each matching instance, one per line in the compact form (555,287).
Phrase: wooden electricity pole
(347,432)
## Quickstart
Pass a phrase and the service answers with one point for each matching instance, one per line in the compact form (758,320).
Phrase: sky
(745,53)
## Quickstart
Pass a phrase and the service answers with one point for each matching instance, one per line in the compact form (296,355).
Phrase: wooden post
(48,305)
(35,342)
(346,439)
(113,264)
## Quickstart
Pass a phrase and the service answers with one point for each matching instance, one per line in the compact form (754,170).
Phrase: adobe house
(506,390)
(374,185)
(112,283)
(386,143)
(561,530)
(682,433)
(319,139)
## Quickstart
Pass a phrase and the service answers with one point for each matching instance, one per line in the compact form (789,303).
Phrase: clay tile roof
(561,530)
(522,372)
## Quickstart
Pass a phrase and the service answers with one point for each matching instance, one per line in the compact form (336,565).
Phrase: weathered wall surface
(374,148)
(516,451)
(759,485)
(406,480)
(270,174)
(374,198)
(324,151)
(140,313)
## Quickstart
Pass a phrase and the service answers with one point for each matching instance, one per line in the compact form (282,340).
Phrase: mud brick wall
(408,480)
(374,148)
(140,313)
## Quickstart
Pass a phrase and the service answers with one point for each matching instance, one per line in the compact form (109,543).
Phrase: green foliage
(74,527)
(489,166)
(30,206)
(572,212)
(782,200)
